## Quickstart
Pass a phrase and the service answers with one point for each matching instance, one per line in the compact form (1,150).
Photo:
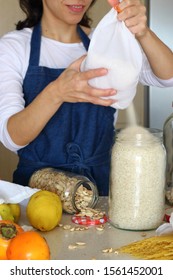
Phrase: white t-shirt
(14,58)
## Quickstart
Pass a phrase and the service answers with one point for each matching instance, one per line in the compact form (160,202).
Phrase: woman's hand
(72,86)
(133,13)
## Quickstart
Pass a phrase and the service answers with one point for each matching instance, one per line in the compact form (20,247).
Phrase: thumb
(113,3)
(77,63)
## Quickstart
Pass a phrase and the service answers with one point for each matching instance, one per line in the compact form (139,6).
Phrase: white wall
(10,13)
(100,8)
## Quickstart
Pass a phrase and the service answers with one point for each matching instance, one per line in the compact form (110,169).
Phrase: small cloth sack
(166,228)
(114,47)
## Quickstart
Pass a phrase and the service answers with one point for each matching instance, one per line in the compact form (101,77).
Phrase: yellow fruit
(10,212)
(16,211)
(44,210)
(5,212)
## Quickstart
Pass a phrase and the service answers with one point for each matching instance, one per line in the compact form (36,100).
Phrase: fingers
(126,3)
(92,94)
(95,100)
(74,86)
(134,15)
(94,73)
(100,92)
(103,102)
(96,96)
(131,8)
(87,75)
(81,82)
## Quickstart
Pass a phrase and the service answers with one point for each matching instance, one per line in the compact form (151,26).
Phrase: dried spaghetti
(153,248)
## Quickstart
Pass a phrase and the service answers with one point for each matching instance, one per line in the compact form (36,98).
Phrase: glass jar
(137,180)
(75,191)
(156,132)
(168,142)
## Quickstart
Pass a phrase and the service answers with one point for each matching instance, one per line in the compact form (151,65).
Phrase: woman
(49,114)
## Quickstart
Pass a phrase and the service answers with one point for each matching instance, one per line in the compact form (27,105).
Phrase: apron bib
(78,138)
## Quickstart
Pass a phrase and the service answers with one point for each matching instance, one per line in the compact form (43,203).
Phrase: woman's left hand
(133,13)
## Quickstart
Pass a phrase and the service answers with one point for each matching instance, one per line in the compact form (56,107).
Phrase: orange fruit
(8,230)
(29,245)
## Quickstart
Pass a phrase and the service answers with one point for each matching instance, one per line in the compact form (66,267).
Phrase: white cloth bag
(14,193)
(166,228)
(114,47)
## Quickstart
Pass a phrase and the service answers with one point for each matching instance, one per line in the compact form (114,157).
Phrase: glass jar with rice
(168,142)
(137,180)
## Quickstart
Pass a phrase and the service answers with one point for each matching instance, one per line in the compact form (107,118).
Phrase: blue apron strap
(35,45)
(85,39)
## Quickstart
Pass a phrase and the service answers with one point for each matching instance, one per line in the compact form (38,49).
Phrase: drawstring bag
(114,47)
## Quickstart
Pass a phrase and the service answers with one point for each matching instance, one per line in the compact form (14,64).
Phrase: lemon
(16,211)
(44,210)
(5,213)
(10,211)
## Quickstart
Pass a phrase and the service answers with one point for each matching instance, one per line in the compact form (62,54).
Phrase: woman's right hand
(72,86)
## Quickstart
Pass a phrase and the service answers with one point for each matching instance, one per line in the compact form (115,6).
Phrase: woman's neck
(60,31)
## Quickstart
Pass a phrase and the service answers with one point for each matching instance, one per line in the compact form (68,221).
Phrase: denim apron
(78,138)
